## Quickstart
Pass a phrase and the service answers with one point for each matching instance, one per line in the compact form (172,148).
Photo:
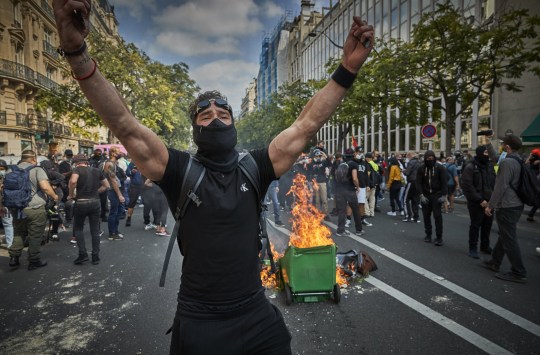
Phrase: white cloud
(230,77)
(136,8)
(212,18)
(189,45)
(271,9)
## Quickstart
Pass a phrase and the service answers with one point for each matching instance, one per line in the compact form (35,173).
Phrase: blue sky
(220,40)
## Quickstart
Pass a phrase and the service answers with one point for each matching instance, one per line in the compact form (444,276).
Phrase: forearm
(71,188)
(286,147)
(141,143)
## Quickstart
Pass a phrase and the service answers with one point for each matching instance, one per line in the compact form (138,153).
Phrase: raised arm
(286,147)
(72,21)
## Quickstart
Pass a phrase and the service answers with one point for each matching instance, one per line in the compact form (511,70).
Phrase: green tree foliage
(157,94)
(258,128)
(455,60)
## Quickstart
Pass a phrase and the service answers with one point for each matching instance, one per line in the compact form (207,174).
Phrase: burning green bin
(309,274)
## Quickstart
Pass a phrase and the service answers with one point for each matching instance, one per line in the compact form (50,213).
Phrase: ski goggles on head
(204,104)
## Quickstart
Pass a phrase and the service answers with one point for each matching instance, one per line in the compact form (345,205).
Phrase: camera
(486,132)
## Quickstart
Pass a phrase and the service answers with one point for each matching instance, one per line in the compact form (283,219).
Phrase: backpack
(193,177)
(18,188)
(528,190)
(342,172)
(121,174)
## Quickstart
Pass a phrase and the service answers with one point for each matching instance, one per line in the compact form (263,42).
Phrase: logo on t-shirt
(243,188)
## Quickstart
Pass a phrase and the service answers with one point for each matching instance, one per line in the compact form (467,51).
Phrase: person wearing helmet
(7,218)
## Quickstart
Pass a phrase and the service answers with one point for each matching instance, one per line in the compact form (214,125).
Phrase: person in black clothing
(533,163)
(431,183)
(477,182)
(89,182)
(411,197)
(64,168)
(346,196)
(58,183)
(97,160)
(135,189)
(221,302)
(319,167)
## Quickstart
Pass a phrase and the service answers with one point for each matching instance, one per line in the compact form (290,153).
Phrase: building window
(17,16)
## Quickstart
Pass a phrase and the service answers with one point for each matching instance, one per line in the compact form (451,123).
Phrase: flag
(354,142)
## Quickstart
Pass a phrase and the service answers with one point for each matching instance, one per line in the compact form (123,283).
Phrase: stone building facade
(29,64)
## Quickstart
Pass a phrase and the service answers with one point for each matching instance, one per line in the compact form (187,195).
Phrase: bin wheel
(288,294)
(337,293)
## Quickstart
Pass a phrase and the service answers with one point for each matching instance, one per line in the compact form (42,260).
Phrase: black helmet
(3,163)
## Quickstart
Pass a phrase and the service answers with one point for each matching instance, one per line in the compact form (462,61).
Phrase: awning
(532,133)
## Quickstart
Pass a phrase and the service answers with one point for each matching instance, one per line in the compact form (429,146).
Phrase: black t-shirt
(89,181)
(219,239)
(348,185)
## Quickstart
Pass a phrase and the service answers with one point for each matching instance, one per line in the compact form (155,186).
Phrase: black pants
(256,328)
(149,203)
(411,200)
(103,203)
(480,227)
(344,197)
(81,210)
(434,206)
(394,196)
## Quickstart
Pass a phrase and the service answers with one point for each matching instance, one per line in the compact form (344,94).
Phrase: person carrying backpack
(508,209)
(221,302)
(7,218)
(26,189)
(347,186)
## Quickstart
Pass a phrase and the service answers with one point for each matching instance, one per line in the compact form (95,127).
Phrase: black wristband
(343,77)
(63,53)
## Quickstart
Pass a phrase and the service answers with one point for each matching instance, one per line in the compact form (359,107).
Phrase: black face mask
(482,159)
(216,143)
(430,163)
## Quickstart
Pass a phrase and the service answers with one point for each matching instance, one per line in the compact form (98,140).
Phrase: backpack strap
(249,167)
(193,177)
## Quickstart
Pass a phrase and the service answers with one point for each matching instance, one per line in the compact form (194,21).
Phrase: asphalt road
(422,300)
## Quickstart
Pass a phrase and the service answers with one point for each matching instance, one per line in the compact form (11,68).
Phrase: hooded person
(477,182)
(431,183)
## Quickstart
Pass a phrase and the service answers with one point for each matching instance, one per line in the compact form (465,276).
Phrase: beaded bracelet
(84,77)
(343,77)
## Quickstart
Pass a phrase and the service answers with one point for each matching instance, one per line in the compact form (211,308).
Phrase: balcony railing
(3,117)
(19,71)
(42,124)
(67,131)
(22,120)
(50,50)
(45,82)
(47,8)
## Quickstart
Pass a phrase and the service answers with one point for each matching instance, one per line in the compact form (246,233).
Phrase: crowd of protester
(67,190)
(349,186)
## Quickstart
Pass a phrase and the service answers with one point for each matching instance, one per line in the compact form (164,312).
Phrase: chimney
(307,7)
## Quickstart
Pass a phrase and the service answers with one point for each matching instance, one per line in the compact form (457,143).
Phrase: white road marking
(445,322)
(480,301)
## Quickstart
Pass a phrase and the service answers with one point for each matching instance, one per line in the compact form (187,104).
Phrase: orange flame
(308,229)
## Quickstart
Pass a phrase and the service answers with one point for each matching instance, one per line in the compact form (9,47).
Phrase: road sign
(428,140)
(429,131)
